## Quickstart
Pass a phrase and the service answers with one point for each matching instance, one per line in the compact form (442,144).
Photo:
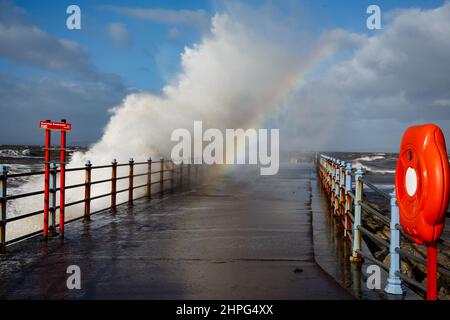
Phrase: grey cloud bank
(71,86)
(398,77)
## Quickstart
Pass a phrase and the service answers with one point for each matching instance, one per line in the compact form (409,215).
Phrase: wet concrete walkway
(243,236)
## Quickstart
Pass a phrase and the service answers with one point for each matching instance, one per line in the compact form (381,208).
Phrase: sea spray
(230,79)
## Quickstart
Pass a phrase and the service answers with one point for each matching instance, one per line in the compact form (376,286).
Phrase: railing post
(330,178)
(341,189)
(348,199)
(357,223)
(149,178)
(332,182)
(161,176)
(336,186)
(113,185)
(52,209)
(172,168)
(87,192)
(3,189)
(181,174)
(196,173)
(394,282)
(62,182)
(130,182)
(327,176)
(189,173)
(46,180)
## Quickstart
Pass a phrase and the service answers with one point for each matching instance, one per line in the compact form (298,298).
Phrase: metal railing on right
(165,178)
(344,189)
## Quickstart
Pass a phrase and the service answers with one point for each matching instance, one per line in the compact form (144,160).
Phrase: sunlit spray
(233,78)
(234,144)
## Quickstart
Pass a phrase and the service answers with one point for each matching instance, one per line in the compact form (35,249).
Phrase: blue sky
(118,52)
(153,57)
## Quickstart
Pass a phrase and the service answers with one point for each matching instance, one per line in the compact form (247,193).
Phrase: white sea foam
(370,158)
(15,153)
(356,164)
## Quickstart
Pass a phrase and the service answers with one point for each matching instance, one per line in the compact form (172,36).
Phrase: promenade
(240,236)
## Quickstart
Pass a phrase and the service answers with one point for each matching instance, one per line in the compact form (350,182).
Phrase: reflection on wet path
(243,236)
(332,252)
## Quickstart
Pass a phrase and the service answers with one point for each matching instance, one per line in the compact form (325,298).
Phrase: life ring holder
(422,178)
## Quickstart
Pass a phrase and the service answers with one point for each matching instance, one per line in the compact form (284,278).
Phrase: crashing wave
(370,158)
(357,164)
(16,153)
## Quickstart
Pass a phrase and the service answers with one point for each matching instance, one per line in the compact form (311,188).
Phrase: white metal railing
(347,204)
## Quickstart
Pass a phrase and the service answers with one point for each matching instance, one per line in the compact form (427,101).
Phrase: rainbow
(280,99)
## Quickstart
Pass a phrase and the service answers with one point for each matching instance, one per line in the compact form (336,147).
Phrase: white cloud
(198,19)
(118,33)
(398,77)
(442,102)
(364,99)
(173,33)
(84,95)
(29,45)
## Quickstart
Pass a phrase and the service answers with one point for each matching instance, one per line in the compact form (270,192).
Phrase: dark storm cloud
(25,101)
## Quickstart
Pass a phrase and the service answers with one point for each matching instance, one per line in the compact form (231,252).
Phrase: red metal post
(196,173)
(52,200)
(161,176)
(181,173)
(189,174)
(149,178)
(130,182)
(432,272)
(172,171)
(46,180)
(87,192)
(113,185)
(62,182)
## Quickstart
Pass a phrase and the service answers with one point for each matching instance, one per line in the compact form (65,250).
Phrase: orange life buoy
(422,183)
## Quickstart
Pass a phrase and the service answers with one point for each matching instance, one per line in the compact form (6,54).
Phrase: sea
(379,170)
(23,159)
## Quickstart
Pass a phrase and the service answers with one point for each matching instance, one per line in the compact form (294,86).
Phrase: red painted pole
(46,181)
(432,272)
(62,182)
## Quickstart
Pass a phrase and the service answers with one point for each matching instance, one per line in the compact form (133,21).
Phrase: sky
(352,89)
